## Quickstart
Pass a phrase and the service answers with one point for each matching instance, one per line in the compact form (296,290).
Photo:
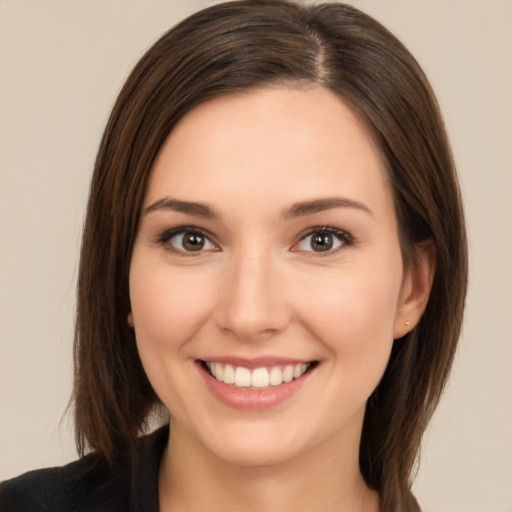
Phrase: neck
(193,479)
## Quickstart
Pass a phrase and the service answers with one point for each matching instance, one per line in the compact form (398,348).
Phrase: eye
(324,240)
(187,240)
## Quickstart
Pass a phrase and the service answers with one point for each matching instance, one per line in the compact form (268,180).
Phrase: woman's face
(268,255)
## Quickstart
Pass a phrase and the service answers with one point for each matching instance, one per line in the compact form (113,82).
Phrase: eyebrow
(188,207)
(300,209)
(319,205)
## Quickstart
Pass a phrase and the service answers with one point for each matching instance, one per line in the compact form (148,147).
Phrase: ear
(130,319)
(416,287)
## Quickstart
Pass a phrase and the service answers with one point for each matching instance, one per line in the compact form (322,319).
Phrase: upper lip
(256,362)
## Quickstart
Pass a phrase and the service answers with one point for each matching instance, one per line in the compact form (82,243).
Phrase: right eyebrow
(188,207)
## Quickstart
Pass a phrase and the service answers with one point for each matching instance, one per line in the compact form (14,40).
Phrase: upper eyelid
(183,229)
(326,229)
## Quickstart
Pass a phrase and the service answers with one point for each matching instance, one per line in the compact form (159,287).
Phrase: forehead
(299,141)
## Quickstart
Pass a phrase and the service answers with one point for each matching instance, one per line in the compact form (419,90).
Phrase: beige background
(61,65)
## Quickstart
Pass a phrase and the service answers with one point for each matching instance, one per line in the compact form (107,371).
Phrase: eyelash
(344,239)
(165,238)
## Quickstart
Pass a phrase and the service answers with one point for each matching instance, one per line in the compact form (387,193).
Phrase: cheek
(167,311)
(167,307)
(354,315)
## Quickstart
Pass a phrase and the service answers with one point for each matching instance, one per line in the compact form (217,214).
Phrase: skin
(259,288)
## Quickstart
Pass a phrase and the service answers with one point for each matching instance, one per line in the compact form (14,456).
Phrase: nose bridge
(253,302)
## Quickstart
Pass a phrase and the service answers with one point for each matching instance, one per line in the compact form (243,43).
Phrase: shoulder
(81,485)
(88,484)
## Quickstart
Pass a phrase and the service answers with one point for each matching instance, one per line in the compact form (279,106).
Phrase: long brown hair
(233,47)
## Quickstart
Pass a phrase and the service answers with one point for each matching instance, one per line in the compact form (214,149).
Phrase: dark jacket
(89,484)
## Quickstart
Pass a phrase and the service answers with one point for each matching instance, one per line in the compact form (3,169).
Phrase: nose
(252,304)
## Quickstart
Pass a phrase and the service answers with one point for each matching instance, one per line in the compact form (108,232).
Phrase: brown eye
(321,242)
(324,240)
(189,241)
(193,242)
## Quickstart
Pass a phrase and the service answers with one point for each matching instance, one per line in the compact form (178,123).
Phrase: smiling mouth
(257,378)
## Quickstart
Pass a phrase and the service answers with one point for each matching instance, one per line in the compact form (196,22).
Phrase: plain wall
(61,65)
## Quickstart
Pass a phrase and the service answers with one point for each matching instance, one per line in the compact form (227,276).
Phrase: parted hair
(235,47)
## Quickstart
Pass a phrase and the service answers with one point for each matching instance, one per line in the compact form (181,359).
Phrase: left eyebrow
(319,205)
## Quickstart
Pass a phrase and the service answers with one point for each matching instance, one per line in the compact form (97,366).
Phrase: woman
(274,252)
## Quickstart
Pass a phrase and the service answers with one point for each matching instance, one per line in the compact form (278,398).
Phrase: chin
(250,444)
(256,453)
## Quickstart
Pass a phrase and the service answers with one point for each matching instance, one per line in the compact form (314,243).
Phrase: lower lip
(253,399)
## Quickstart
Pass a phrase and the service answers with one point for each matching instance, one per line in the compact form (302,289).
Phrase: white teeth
(258,378)
(276,376)
(229,374)
(288,373)
(219,371)
(242,377)
(299,370)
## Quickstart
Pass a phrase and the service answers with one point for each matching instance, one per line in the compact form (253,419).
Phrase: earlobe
(416,287)
(130,319)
